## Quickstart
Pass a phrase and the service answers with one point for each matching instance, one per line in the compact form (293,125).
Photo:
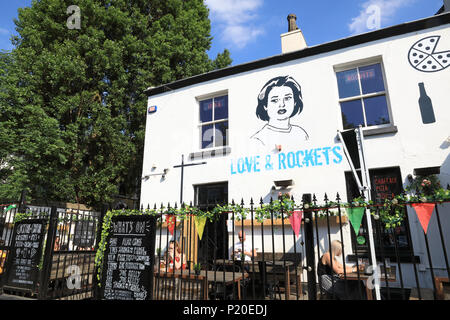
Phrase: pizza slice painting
(429,64)
(423,55)
(443,58)
(416,57)
(427,45)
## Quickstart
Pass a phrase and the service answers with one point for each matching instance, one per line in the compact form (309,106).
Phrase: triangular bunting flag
(10,207)
(296,221)
(171,220)
(200,225)
(355,216)
(424,212)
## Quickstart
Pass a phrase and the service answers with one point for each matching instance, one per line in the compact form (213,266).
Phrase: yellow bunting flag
(200,225)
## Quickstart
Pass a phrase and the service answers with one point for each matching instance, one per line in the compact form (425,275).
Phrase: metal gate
(66,269)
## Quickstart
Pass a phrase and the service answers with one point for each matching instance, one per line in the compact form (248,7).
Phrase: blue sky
(251,29)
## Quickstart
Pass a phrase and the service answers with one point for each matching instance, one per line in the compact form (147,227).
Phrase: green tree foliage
(72,102)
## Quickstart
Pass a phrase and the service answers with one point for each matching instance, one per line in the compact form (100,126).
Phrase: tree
(74,99)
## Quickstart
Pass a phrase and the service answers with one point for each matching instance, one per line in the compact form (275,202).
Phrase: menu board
(129,258)
(26,249)
(386,183)
(84,234)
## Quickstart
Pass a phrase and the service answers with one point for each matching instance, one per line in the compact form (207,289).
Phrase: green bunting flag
(10,207)
(355,216)
(200,225)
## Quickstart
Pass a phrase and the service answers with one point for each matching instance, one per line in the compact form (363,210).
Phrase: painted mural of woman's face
(280,103)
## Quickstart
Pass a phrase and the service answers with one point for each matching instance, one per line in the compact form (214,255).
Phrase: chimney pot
(292,25)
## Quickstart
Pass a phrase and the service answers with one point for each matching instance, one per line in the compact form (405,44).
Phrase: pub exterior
(270,126)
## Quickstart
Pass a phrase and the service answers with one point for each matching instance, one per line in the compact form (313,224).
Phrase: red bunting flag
(296,221)
(171,220)
(424,212)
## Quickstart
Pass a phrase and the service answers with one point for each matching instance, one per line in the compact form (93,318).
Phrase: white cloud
(4,31)
(236,18)
(368,19)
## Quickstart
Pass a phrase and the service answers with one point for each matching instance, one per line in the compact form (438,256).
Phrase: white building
(379,79)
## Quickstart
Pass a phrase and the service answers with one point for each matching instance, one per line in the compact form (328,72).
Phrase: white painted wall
(173,131)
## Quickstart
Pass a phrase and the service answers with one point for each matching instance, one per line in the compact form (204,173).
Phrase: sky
(251,29)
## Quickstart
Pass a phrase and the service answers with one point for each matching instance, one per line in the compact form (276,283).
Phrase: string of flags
(424,212)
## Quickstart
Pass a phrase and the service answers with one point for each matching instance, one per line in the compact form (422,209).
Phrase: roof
(427,23)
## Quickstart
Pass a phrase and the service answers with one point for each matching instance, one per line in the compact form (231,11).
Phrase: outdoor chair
(219,291)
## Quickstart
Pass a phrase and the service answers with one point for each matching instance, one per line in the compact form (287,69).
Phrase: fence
(256,251)
(285,244)
(66,267)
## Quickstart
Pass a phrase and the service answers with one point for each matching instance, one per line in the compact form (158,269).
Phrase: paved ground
(11,297)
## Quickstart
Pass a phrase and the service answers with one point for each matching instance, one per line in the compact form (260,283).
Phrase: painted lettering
(291,160)
(281,160)
(337,154)
(308,158)
(317,156)
(325,153)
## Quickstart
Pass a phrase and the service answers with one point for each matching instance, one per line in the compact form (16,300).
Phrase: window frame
(201,124)
(356,65)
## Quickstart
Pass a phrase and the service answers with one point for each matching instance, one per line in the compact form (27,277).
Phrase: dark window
(362,96)
(214,122)
(385,183)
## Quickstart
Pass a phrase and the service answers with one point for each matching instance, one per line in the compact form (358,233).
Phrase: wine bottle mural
(426,106)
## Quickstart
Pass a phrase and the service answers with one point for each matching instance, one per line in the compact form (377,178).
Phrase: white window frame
(357,65)
(213,122)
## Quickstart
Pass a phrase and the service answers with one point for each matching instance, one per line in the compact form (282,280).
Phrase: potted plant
(197,268)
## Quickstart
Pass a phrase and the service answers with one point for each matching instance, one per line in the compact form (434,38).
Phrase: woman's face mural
(280,103)
(279,100)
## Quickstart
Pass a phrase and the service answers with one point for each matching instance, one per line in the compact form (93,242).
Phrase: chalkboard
(386,183)
(84,234)
(25,254)
(129,258)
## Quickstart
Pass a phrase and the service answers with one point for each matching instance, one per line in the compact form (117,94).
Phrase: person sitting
(243,249)
(328,271)
(174,258)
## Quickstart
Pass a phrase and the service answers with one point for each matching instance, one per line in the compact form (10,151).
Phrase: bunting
(171,220)
(296,221)
(424,212)
(355,216)
(200,225)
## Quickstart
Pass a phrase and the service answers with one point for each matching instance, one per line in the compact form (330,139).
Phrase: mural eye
(274,100)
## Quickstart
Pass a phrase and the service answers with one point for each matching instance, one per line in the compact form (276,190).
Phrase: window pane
(371,78)
(206,110)
(352,114)
(348,83)
(207,136)
(221,134)
(376,110)
(221,108)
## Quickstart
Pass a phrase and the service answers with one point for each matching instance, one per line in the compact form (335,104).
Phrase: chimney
(293,40)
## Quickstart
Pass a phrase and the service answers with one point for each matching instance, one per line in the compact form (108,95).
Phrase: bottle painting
(426,106)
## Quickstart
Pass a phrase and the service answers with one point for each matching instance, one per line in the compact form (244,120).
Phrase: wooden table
(353,276)
(225,277)
(283,267)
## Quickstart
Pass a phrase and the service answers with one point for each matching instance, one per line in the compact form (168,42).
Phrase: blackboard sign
(84,234)
(386,183)
(129,258)
(25,255)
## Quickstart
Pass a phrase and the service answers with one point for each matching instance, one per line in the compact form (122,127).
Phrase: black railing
(291,264)
(66,270)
